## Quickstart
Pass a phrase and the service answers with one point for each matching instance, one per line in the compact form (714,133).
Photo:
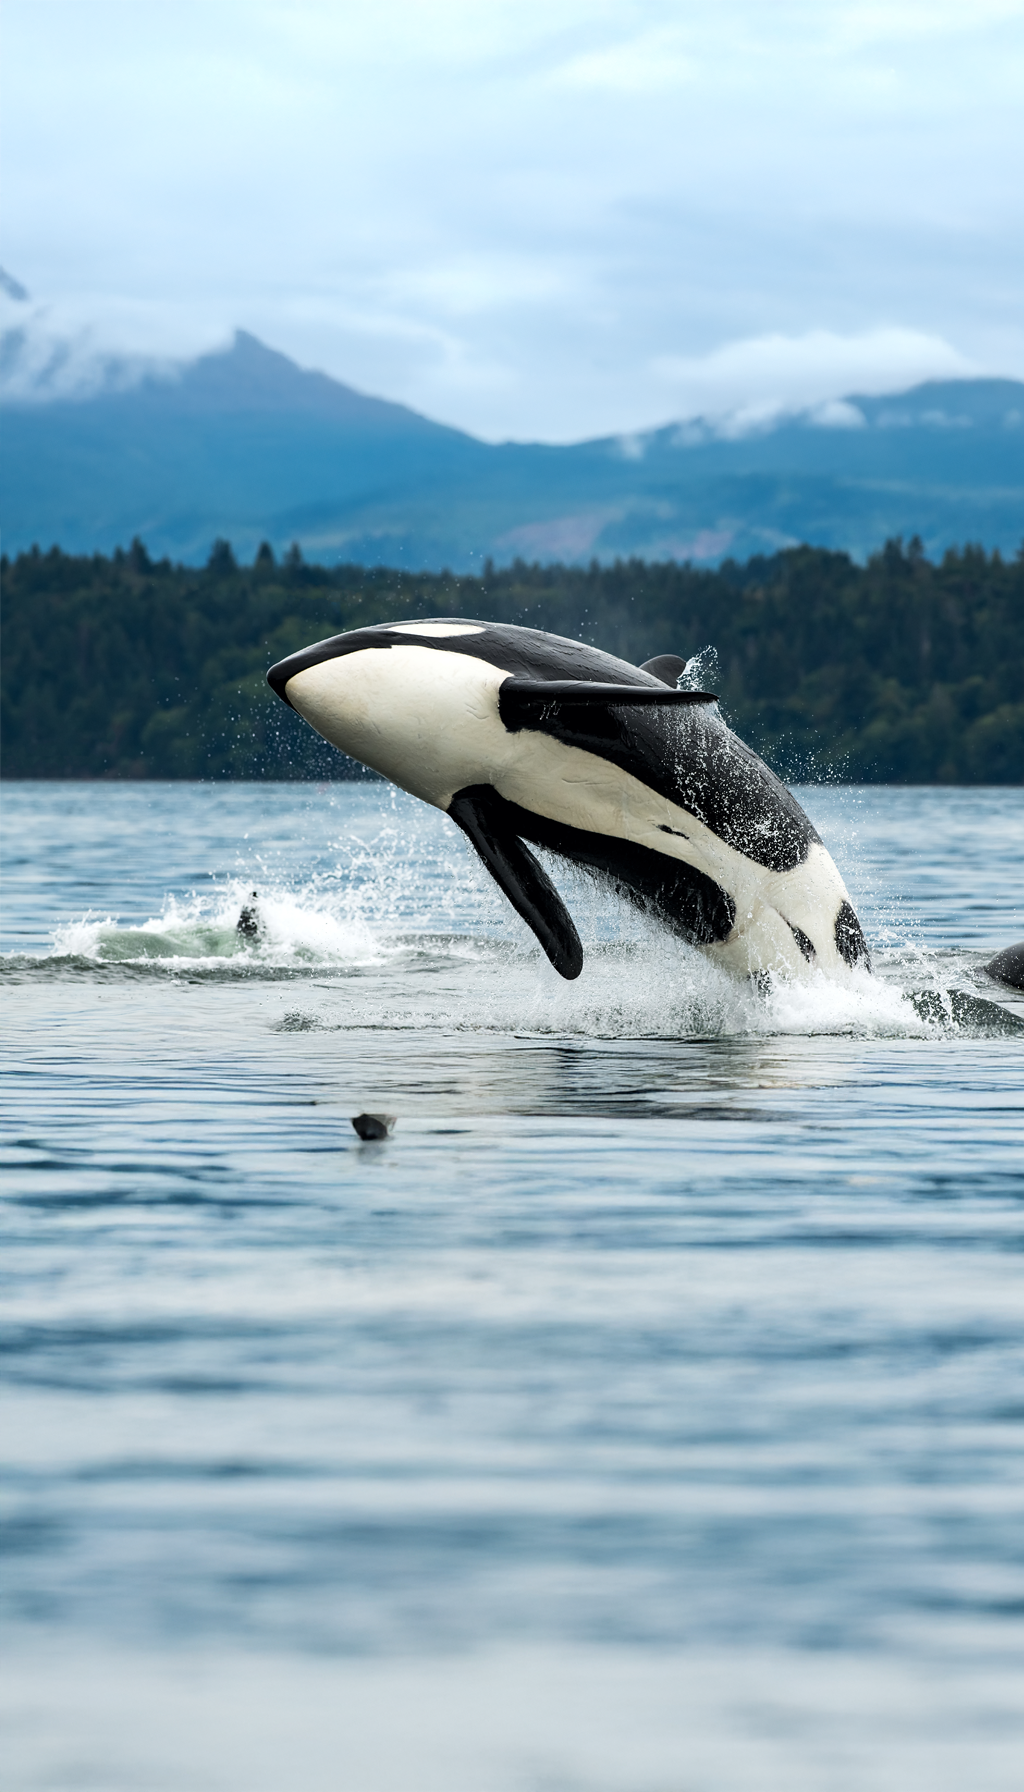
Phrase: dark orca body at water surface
(523,736)
(1008,966)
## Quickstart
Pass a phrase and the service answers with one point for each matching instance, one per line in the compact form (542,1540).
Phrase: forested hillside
(900,670)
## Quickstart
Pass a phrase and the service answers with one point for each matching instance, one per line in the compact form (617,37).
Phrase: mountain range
(243,444)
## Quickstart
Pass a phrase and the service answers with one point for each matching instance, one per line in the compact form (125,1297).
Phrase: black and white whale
(524,736)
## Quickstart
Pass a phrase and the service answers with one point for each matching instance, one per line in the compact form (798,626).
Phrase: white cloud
(72,348)
(653,63)
(837,413)
(538,220)
(748,384)
(856,23)
(468,283)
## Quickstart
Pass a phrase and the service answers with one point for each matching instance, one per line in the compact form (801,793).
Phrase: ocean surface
(644,1415)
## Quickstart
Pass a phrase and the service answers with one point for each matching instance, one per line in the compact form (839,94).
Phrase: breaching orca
(523,736)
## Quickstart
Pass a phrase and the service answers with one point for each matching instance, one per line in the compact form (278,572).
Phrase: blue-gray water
(644,1416)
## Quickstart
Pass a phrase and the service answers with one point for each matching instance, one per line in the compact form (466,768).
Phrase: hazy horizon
(41,368)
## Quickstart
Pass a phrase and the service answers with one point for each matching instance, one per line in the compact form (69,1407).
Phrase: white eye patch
(436,629)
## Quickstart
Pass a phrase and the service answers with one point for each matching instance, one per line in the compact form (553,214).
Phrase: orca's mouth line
(519,699)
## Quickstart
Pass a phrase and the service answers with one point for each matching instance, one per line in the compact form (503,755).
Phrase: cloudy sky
(540,219)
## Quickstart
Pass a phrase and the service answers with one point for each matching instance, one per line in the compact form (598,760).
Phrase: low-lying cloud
(747,384)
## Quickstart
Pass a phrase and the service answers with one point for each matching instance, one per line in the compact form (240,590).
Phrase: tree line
(899,671)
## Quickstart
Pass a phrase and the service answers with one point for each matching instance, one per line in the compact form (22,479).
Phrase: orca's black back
(525,652)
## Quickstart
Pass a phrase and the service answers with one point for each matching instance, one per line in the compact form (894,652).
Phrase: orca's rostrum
(522,736)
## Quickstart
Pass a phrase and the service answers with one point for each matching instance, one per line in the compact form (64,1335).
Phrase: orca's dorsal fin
(667,666)
(521,700)
(478,812)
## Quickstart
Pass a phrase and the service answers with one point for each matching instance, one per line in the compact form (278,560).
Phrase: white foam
(659,989)
(79,939)
(386,910)
(860,1004)
(294,929)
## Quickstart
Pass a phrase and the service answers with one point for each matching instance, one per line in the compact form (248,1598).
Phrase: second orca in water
(524,736)
(1008,966)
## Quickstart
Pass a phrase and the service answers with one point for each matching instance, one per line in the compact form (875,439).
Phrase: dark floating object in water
(1008,966)
(374,1126)
(248,925)
(955,1007)
(526,740)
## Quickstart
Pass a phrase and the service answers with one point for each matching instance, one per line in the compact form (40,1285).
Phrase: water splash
(701,672)
(296,930)
(421,939)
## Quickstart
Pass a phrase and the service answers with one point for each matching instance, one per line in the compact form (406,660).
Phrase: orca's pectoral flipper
(478,812)
(522,701)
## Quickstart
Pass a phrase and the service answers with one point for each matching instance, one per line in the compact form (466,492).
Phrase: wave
(292,932)
(643,983)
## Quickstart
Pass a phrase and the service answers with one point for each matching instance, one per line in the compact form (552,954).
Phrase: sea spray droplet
(701,672)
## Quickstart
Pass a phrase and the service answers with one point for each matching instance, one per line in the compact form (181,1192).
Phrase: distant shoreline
(902,671)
